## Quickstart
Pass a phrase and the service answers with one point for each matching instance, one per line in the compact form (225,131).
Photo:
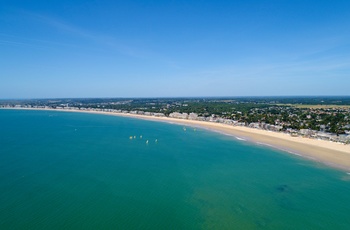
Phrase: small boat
(130,137)
(147,142)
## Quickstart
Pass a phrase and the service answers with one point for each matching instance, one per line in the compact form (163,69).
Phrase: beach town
(320,145)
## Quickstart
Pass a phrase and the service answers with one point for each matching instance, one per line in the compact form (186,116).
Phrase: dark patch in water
(283,197)
(283,188)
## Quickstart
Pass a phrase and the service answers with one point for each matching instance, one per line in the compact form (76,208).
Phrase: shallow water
(82,171)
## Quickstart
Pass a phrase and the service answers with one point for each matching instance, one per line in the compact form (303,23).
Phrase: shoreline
(332,154)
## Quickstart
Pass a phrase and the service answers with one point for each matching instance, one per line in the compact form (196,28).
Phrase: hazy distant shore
(333,154)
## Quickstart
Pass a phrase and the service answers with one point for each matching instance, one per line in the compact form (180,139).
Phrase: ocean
(62,170)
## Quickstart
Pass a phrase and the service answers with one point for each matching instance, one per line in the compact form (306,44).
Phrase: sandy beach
(332,154)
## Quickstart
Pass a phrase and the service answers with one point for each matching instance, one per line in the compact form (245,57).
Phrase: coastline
(332,154)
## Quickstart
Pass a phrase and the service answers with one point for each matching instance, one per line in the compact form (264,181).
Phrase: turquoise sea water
(81,171)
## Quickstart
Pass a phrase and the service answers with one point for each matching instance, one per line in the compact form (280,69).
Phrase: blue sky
(174,48)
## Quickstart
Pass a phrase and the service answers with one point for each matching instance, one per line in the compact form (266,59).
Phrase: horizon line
(175,97)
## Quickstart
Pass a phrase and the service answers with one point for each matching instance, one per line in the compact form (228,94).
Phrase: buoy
(130,137)
(147,142)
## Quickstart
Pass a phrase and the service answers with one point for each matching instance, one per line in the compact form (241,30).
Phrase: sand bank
(333,154)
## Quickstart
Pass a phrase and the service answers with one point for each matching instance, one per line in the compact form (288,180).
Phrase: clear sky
(174,48)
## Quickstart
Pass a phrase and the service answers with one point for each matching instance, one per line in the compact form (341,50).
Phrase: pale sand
(333,154)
